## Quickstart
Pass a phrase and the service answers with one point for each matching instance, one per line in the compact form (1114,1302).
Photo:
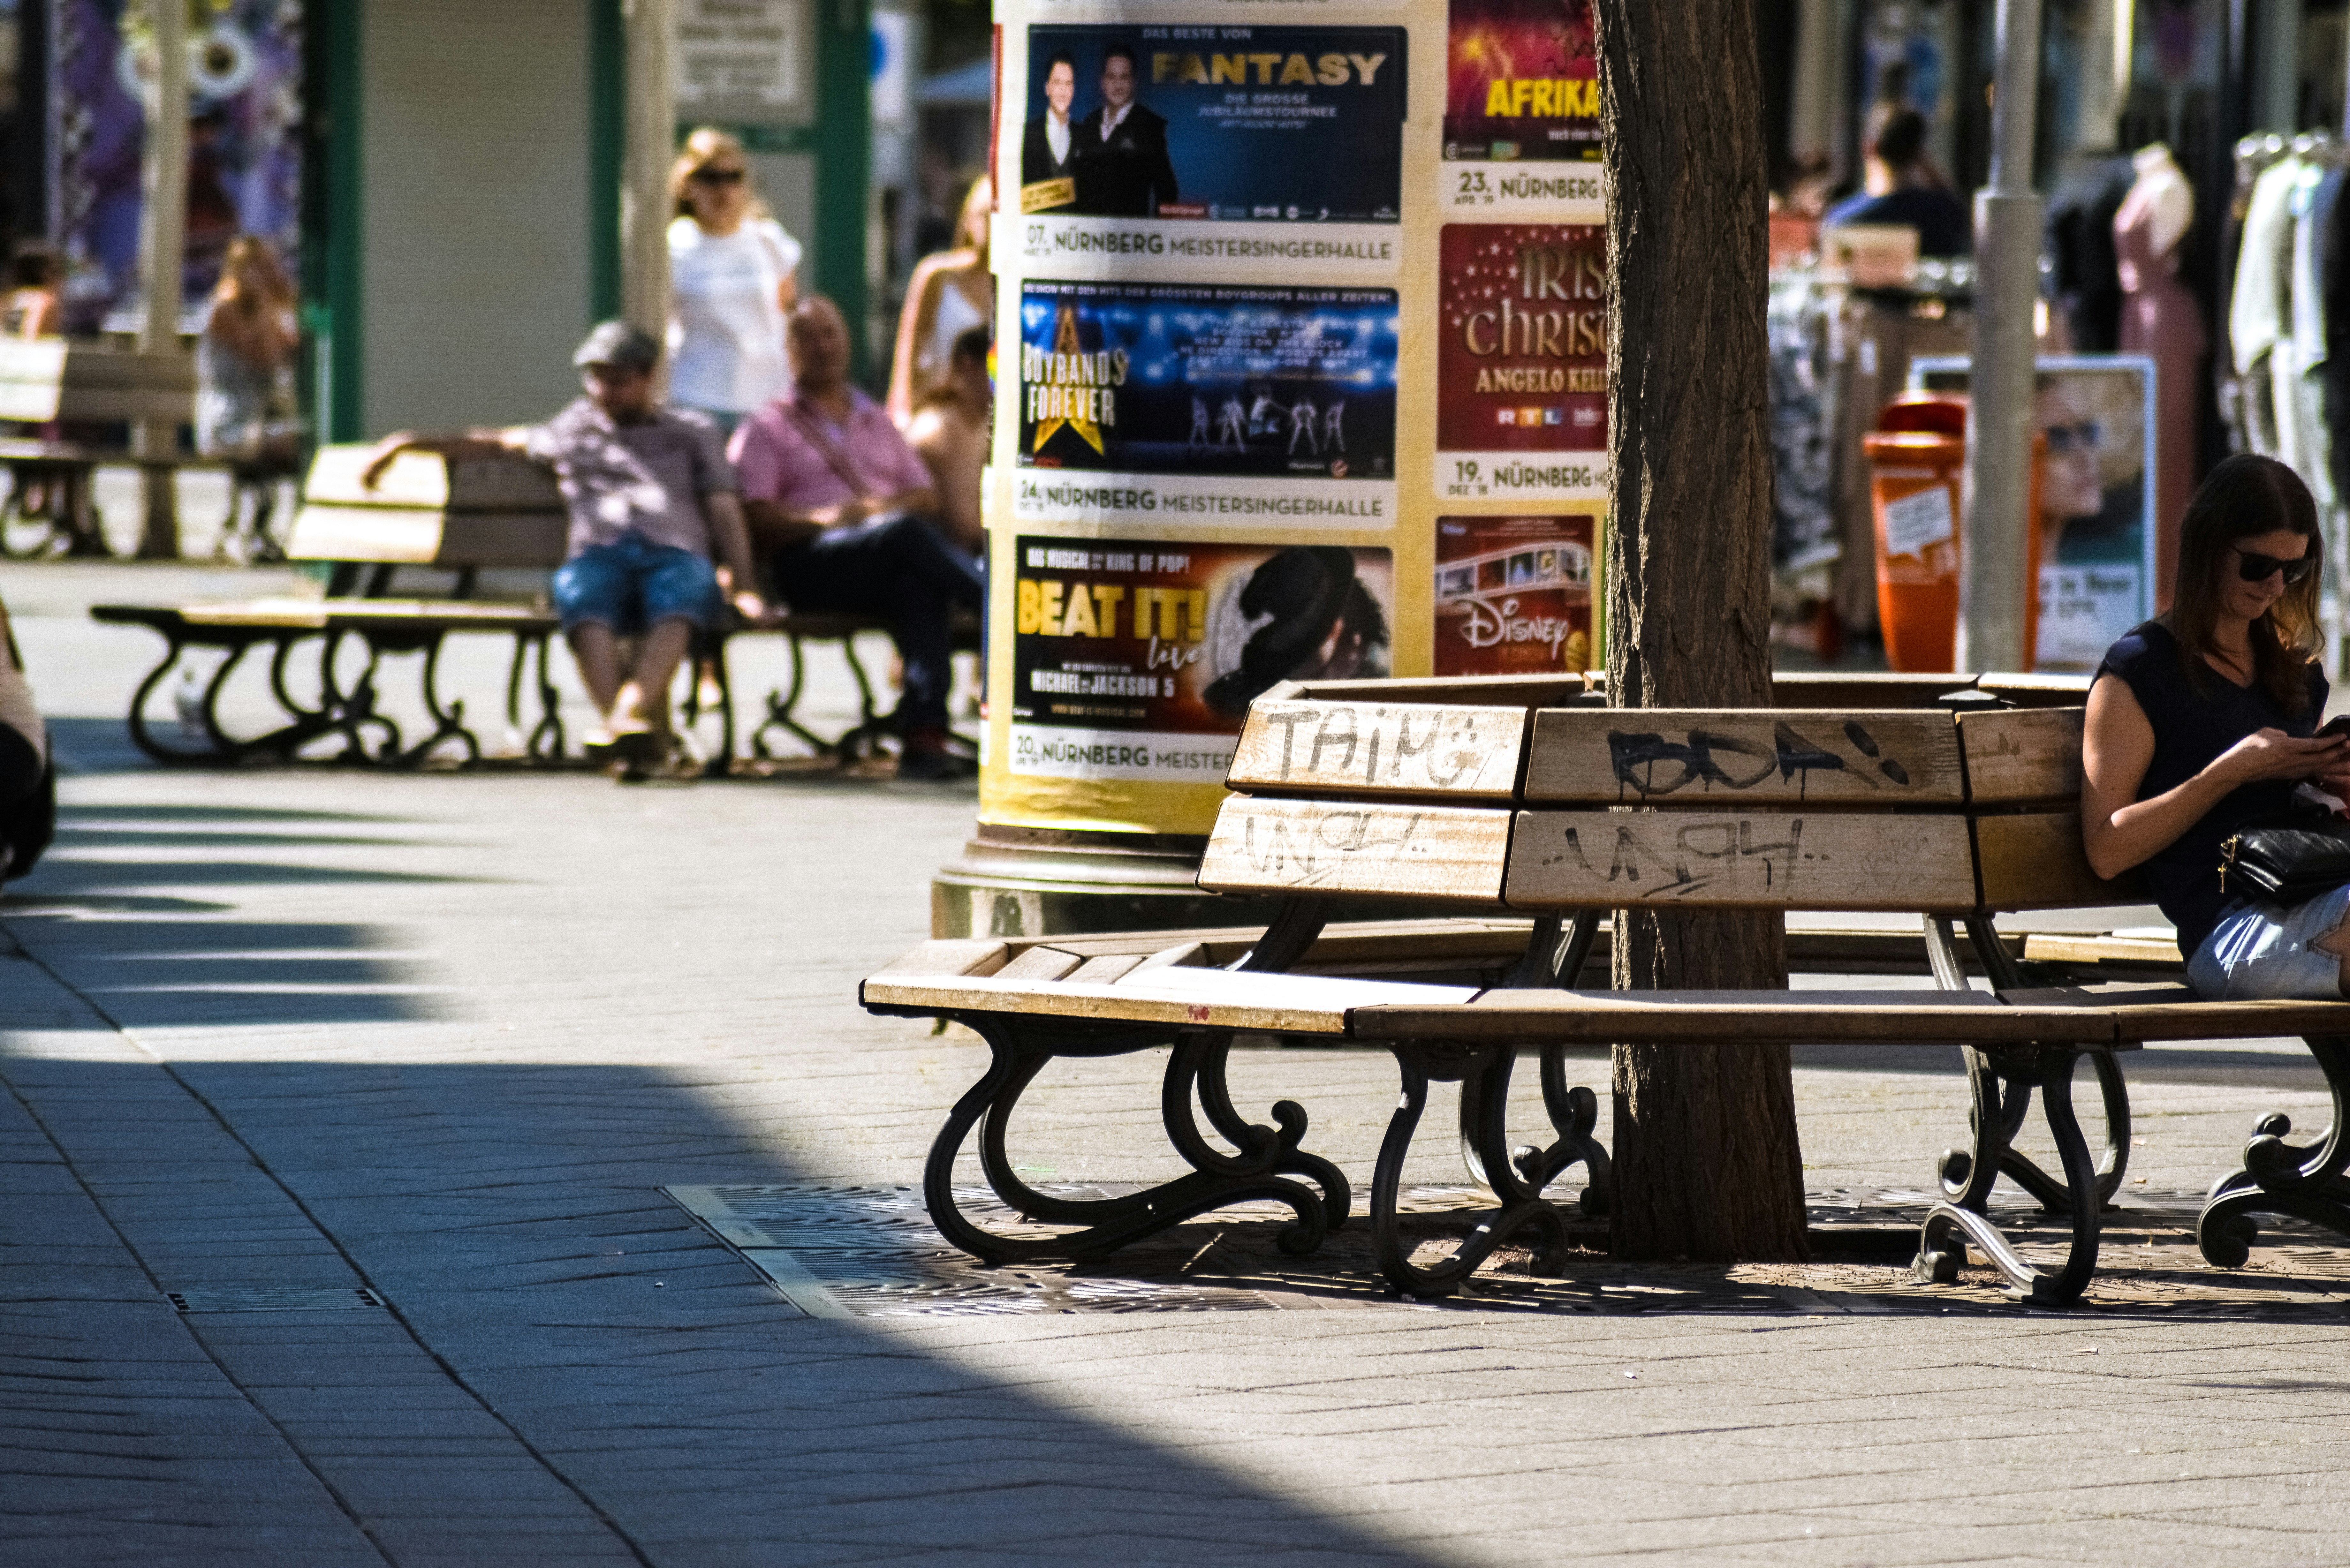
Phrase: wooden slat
(1039,964)
(1104,970)
(418,537)
(1876,1017)
(430,481)
(1716,758)
(1727,859)
(952,956)
(1267,845)
(1874,691)
(2035,861)
(1302,748)
(1291,1004)
(31,374)
(2066,947)
(2231,1020)
(2023,755)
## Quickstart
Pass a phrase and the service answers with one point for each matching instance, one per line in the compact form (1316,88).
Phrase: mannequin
(2161,319)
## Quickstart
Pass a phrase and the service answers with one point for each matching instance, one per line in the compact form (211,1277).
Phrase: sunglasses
(2255,568)
(2085,436)
(716,176)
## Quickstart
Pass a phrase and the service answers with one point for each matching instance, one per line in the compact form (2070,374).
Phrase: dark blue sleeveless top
(2191,728)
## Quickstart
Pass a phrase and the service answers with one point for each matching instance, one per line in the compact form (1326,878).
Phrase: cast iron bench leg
(2305,1180)
(1019,1053)
(2004,1080)
(1483,1072)
(218,748)
(448,719)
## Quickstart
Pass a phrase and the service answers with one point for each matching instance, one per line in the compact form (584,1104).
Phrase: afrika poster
(1513,594)
(1137,660)
(1159,401)
(1521,132)
(2095,413)
(1214,148)
(244,147)
(1521,363)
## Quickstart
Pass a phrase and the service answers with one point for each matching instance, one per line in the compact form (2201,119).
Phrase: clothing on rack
(2081,243)
(2258,315)
(2162,320)
(1801,322)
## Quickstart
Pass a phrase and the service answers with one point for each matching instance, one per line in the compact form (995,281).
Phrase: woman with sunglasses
(2203,721)
(732,279)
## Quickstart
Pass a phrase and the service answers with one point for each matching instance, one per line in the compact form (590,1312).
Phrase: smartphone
(2337,726)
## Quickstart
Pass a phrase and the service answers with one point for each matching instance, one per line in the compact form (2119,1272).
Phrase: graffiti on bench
(1766,859)
(1334,847)
(1654,757)
(1406,748)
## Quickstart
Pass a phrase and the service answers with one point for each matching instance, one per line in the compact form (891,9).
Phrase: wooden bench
(1497,799)
(54,380)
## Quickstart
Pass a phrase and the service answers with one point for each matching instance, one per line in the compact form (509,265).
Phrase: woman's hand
(381,455)
(2273,754)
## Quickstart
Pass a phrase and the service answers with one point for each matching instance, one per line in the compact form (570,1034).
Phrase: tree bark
(1707,1164)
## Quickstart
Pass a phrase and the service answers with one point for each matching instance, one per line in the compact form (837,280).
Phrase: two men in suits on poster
(1110,163)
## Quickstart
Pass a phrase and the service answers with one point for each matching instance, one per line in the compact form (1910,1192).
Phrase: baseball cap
(618,343)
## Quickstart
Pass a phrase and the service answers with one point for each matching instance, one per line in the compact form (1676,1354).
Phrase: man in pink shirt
(836,501)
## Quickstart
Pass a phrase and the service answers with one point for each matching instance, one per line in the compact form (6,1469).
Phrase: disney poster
(1513,595)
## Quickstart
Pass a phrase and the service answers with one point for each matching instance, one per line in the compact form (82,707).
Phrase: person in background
(836,500)
(1901,189)
(2203,722)
(734,273)
(949,433)
(244,413)
(35,307)
(949,294)
(649,492)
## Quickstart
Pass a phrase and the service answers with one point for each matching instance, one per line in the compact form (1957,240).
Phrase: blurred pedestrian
(649,492)
(1902,189)
(733,273)
(28,776)
(34,308)
(949,432)
(245,406)
(949,294)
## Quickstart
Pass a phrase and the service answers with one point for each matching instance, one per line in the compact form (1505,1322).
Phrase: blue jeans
(2262,952)
(633,585)
(902,570)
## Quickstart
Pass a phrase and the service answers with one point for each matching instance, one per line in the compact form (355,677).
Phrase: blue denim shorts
(2262,952)
(633,585)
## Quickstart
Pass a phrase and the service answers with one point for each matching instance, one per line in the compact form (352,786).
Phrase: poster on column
(1202,153)
(1513,594)
(2095,412)
(1136,660)
(1521,363)
(1163,403)
(1522,111)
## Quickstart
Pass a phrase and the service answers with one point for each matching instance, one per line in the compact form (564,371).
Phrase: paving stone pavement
(446,1039)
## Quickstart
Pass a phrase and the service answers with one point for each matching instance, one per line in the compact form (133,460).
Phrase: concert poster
(1275,124)
(1521,361)
(1137,658)
(1521,128)
(1167,378)
(1513,595)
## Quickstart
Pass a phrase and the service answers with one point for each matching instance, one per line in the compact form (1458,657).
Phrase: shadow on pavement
(510,1214)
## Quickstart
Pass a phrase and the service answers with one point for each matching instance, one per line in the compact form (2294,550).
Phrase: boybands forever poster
(1161,403)
(1210,152)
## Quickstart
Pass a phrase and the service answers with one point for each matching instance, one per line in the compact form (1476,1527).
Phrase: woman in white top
(950,293)
(733,277)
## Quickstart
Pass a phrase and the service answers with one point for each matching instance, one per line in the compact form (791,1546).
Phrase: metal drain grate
(273,1298)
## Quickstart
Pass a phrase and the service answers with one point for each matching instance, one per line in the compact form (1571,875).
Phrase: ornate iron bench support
(2305,1180)
(1267,1156)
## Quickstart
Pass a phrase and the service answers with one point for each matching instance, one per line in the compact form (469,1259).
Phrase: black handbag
(2286,861)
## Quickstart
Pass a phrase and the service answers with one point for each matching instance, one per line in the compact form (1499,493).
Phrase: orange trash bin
(1918,459)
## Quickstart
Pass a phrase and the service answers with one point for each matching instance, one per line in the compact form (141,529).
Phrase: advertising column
(1300,374)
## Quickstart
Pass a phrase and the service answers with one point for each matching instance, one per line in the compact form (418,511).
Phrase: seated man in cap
(650,491)
(837,499)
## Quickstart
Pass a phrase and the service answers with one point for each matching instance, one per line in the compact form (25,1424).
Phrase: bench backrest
(1552,808)
(429,512)
(47,379)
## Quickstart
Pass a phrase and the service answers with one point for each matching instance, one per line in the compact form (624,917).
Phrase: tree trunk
(1707,1164)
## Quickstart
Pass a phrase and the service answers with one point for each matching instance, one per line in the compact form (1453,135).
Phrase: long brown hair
(2247,495)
